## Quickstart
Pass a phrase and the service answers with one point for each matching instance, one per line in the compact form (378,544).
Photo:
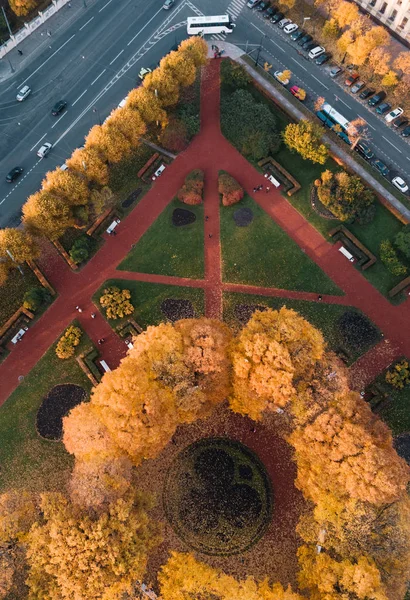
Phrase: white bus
(204,25)
(334,116)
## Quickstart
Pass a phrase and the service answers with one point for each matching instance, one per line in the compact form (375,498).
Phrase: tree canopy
(305,139)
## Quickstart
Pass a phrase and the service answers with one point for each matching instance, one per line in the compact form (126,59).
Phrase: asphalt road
(95,62)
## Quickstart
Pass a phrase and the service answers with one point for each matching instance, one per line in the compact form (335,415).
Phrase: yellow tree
(148,105)
(21,8)
(390,79)
(20,244)
(402,63)
(379,61)
(111,142)
(4,273)
(346,13)
(73,554)
(375,37)
(180,66)
(18,511)
(273,349)
(305,139)
(129,122)
(46,214)
(7,570)
(196,49)
(90,163)
(69,186)
(345,42)
(162,83)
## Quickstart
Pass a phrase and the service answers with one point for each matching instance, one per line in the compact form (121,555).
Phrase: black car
(406,131)
(377,98)
(381,167)
(323,58)
(262,6)
(306,38)
(364,150)
(296,35)
(367,92)
(400,122)
(308,46)
(383,108)
(276,18)
(58,108)
(270,12)
(13,174)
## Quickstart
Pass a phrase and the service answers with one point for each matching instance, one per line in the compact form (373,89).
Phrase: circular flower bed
(56,405)
(217,496)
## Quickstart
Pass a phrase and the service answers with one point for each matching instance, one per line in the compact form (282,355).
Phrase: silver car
(23,93)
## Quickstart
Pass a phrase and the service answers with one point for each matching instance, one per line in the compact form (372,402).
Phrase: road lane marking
(52,127)
(97,78)
(391,144)
(46,61)
(105,5)
(37,143)
(114,59)
(343,102)
(368,123)
(85,24)
(153,17)
(298,63)
(260,30)
(321,83)
(79,98)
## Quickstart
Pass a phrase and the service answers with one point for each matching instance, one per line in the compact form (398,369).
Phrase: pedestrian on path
(255,189)
(260,188)
(101,341)
(206,217)
(80,310)
(20,52)
(93,315)
(319,298)
(267,189)
(210,235)
(48,33)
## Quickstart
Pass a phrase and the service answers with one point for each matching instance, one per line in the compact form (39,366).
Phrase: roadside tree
(21,8)
(379,61)
(111,142)
(390,79)
(46,214)
(402,63)
(196,49)
(90,163)
(305,139)
(163,84)
(17,246)
(345,14)
(69,186)
(180,66)
(148,105)
(129,122)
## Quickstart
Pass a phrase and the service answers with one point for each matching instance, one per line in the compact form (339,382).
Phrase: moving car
(14,174)
(296,35)
(381,167)
(394,114)
(356,87)
(364,150)
(323,58)
(377,98)
(383,108)
(366,93)
(290,28)
(317,51)
(277,17)
(58,107)
(352,79)
(400,184)
(279,76)
(303,40)
(44,150)
(406,131)
(400,122)
(252,3)
(284,22)
(23,93)
(298,92)
(144,72)
(168,4)
(335,71)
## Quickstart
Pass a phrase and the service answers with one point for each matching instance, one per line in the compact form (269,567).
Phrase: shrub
(191,191)
(35,297)
(234,75)
(346,196)
(399,375)
(116,302)
(174,137)
(402,240)
(357,330)
(389,258)
(80,250)
(230,189)
(68,342)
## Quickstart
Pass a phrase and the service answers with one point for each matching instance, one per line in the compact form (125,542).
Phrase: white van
(315,52)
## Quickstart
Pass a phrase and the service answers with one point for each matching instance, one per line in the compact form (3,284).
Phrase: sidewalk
(236,54)
(38,40)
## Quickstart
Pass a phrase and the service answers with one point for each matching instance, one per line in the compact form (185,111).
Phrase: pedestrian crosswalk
(234,9)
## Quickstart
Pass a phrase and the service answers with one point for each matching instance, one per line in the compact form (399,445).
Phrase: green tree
(331,29)
(399,375)
(35,297)
(402,240)
(234,75)
(80,250)
(305,139)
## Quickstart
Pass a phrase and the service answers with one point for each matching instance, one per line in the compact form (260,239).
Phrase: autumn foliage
(116,302)
(68,342)
(229,189)
(192,190)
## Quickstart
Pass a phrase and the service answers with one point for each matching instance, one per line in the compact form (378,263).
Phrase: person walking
(20,52)
(260,188)
(267,189)
(101,341)
(93,315)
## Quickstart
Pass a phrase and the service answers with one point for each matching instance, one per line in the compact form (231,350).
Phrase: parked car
(303,40)
(262,6)
(406,131)
(168,4)
(143,72)
(284,22)
(323,58)
(58,107)
(23,93)
(290,28)
(377,98)
(279,76)
(298,92)
(277,17)
(309,46)
(335,71)
(366,93)
(317,51)
(356,87)
(400,184)
(394,114)
(14,174)
(252,3)
(400,122)
(270,12)
(381,167)
(44,149)
(296,35)
(383,108)
(353,77)
(364,150)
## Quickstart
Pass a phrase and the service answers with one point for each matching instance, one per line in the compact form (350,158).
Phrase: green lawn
(12,293)
(263,254)
(321,315)
(168,250)
(26,459)
(395,413)
(148,297)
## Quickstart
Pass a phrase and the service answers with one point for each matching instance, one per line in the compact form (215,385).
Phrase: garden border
(340,233)
(296,184)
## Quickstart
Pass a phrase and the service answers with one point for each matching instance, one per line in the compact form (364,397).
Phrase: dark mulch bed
(56,405)
(182,216)
(131,198)
(175,309)
(402,445)
(243,216)
(357,330)
(318,207)
(243,312)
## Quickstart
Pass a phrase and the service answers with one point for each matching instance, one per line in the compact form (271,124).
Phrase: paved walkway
(211,152)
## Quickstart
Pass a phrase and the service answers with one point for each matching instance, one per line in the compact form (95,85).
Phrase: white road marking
(153,17)
(114,59)
(260,30)
(298,63)
(398,149)
(52,127)
(343,102)
(37,143)
(97,78)
(321,83)
(46,61)
(368,124)
(85,24)
(105,5)
(79,98)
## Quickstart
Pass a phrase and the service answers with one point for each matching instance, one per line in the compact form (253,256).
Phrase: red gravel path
(210,152)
